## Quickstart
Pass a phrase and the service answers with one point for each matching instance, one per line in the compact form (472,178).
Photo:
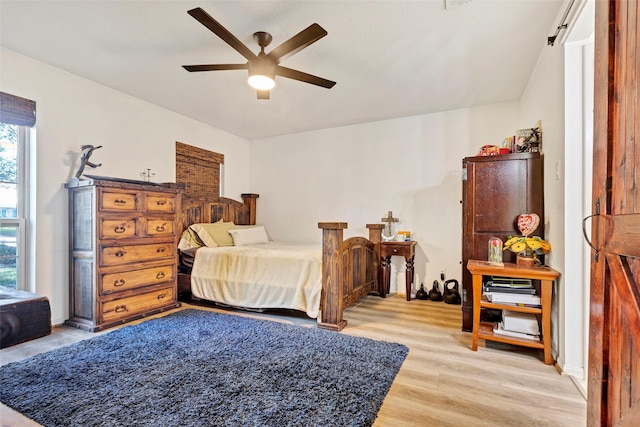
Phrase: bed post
(375,235)
(375,232)
(250,200)
(332,299)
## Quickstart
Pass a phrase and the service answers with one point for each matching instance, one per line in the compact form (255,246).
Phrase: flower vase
(526,261)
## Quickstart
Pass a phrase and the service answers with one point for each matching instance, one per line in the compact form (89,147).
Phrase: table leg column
(385,261)
(545,299)
(477,296)
(409,276)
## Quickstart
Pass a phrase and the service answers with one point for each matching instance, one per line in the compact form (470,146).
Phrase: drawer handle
(121,308)
(119,282)
(161,202)
(395,251)
(162,296)
(161,250)
(120,253)
(160,275)
(119,229)
(119,202)
(160,228)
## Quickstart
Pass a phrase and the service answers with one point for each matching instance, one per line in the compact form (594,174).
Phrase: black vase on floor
(434,293)
(422,293)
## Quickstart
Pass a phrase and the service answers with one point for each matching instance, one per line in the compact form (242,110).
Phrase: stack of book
(518,325)
(511,291)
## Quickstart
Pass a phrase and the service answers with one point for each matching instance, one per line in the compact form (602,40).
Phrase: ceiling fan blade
(303,77)
(215,67)
(304,38)
(205,19)
(263,94)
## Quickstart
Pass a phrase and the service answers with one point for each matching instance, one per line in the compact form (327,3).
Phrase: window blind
(16,110)
(199,170)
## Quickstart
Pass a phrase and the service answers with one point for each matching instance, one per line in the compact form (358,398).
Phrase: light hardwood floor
(441,383)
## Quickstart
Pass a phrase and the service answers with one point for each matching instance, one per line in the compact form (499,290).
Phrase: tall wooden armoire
(495,190)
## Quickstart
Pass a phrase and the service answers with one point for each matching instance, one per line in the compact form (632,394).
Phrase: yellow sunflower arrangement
(527,246)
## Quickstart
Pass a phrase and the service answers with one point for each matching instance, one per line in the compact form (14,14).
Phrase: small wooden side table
(546,275)
(389,249)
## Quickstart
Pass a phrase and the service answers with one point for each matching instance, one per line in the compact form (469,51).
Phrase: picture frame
(529,140)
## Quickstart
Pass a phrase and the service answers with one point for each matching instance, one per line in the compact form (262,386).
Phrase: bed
(322,282)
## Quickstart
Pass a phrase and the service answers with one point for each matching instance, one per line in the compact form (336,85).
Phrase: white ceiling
(390,59)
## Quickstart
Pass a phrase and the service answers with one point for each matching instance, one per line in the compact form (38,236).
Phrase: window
(17,116)
(12,205)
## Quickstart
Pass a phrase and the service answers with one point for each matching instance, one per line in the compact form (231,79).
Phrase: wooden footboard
(349,270)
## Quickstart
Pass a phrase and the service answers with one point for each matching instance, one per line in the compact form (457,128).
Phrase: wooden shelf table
(484,330)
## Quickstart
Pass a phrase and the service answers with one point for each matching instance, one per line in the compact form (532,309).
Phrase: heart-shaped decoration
(527,223)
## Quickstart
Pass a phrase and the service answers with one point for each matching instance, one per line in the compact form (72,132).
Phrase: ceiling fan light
(262,74)
(260,82)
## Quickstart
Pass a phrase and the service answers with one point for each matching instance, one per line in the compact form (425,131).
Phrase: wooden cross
(389,219)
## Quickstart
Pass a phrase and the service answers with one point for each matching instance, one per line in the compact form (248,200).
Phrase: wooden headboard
(199,210)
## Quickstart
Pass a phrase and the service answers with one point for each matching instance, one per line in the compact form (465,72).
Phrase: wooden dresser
(122,253)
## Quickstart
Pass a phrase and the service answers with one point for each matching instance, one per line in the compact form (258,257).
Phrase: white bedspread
(272,275)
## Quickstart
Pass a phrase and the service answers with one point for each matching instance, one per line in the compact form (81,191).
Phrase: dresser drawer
(160,203)
(125,280)
(126,307)
(160,227)
(117,228)
(117,255)
(118,201)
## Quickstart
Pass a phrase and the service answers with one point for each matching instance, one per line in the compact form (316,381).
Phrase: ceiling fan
(263,67)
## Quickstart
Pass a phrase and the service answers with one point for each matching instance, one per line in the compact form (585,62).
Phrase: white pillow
(249,236)
(240,226)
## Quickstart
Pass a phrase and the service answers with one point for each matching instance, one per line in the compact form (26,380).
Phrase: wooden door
(614,346)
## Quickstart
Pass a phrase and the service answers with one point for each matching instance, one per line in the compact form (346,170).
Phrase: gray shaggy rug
(198,368)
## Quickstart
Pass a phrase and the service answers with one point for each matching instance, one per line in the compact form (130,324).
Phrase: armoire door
(614,345)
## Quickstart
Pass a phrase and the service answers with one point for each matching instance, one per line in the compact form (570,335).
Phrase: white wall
(544,100)
(135,135)
(411,166)
(555,94)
